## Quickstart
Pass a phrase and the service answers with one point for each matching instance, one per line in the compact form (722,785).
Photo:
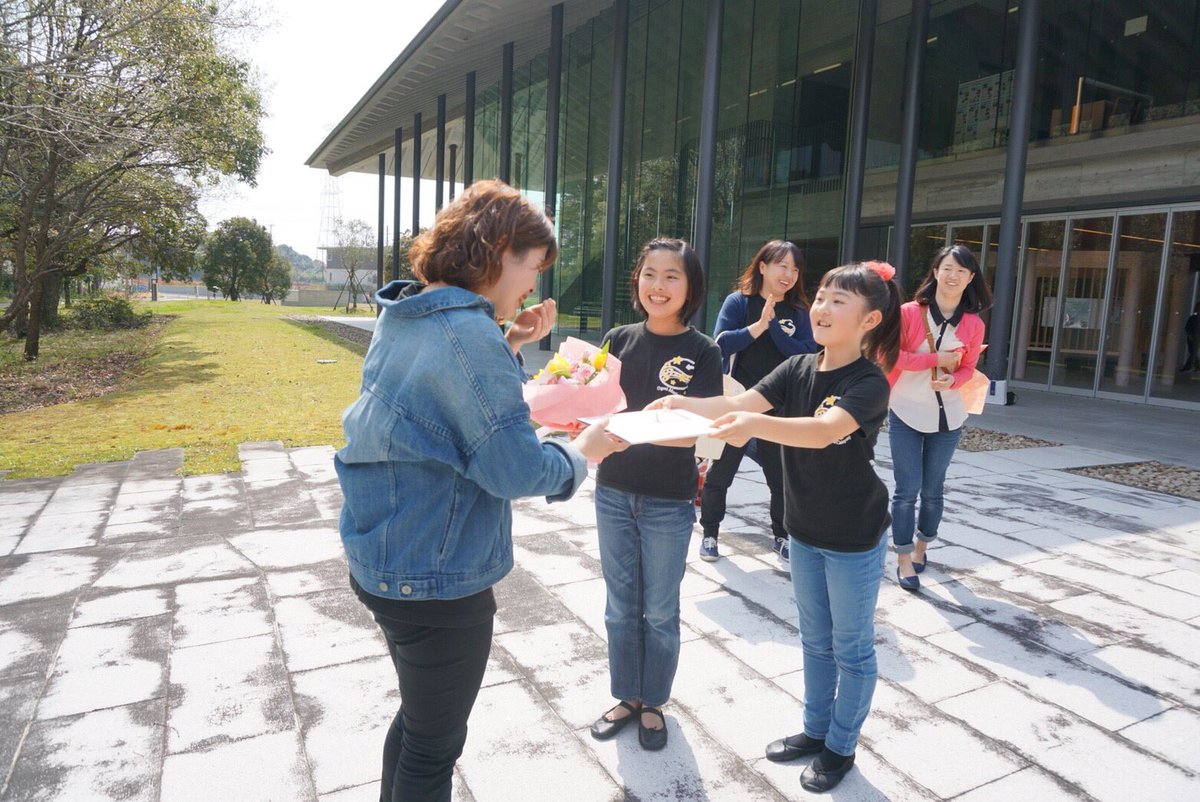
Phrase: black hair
(751,280)
(882,343)
(691,268)
(976,297)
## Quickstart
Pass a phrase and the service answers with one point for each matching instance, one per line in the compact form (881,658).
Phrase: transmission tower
(331,213)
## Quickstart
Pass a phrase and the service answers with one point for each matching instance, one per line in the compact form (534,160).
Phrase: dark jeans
(720,477)
(440,671)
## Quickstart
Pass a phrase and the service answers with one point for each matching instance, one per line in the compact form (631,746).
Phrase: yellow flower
(601,358)
(558,366)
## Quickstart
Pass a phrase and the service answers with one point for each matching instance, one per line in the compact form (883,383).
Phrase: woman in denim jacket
(437,445)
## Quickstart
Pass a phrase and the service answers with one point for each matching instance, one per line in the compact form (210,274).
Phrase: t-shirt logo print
(788,326)
(829,403)
(676,374)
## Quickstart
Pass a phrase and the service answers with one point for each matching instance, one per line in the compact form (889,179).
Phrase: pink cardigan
(912,335)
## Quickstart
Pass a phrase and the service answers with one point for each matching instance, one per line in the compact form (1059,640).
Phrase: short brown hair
(468,236)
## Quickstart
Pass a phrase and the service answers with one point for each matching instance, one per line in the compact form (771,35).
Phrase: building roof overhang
(463,36)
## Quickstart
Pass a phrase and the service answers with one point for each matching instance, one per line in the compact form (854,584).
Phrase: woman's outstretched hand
(596,443)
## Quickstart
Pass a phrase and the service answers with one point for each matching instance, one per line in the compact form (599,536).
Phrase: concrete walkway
(194,639)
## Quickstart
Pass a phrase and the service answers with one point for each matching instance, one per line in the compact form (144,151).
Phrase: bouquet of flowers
(579,381)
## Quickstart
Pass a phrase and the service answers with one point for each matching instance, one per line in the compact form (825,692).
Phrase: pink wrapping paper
(559,406)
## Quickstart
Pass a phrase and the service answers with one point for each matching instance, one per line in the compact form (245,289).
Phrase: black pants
(720,477)
(440,671)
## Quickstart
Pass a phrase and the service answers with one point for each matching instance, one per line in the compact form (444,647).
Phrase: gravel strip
(352,333)
(983,440)
(1175,480)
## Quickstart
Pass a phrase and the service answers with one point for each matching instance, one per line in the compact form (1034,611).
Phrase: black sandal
(604,728)
(652,739)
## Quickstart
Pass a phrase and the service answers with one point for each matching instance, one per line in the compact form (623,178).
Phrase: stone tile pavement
(167,638)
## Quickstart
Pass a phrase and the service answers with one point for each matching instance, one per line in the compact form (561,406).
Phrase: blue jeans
(643,548)
(836,593)
(919,463)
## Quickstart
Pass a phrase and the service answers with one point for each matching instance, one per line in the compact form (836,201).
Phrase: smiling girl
(940,342)
(761,323)
(829,406)
(645,495)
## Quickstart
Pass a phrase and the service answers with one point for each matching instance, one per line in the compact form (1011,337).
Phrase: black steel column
(453,169)
(709,109)
(907,172)
(860,104)
(1004,281)
(397,146)
(379,248)
(441,152)
(469,133)
(616,141)
(416,176)
(553,104)
(506,114)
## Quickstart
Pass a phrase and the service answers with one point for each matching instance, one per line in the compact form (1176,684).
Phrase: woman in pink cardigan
(941,338)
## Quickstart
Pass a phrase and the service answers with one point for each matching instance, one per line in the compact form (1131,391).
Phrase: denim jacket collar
(407,299)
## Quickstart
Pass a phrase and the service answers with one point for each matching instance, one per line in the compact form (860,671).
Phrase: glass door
(1037,302)
(1176,379)
(1129,323)
(1080,303)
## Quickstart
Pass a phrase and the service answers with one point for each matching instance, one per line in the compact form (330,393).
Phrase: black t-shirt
(653,365)
(461,613)
(762,356)
(832,497)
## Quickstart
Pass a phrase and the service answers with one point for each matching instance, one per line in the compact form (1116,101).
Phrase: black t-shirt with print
(762,356)
(652,366)
(832,496)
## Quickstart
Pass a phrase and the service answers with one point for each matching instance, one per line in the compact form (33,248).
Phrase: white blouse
(913,399)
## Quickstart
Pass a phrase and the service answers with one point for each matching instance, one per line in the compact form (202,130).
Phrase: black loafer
(792,747)
(652,740)
(824,773)
(603,728)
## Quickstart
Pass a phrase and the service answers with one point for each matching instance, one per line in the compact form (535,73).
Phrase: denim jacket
(436,446)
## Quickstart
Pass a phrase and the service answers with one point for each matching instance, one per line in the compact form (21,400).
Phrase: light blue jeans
(643,549)
(919,464)
(836,593)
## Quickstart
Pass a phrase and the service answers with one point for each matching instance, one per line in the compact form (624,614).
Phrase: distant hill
(305,269)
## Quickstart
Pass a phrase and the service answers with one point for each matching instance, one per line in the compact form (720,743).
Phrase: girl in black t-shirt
(829,408)
(761,323)
(645,498)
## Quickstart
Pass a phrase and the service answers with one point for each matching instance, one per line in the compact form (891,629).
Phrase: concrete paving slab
(1058,621)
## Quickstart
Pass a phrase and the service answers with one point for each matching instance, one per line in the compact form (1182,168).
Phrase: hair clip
(881,269)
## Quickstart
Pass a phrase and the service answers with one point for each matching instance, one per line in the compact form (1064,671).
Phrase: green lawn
(220,373)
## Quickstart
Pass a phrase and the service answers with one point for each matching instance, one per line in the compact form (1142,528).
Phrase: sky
(315,61)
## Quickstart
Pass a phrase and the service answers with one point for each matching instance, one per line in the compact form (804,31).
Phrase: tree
(236,257)
(353,253)
(276,280)
(113,113)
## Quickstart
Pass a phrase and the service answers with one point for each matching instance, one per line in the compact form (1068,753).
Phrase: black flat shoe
(604,728)
(824,773)
(793,746)
(652,740)
(908,582)
(919,566)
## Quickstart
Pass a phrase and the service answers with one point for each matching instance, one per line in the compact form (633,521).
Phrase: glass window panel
(1175,376)
(1081,303)
(923,244)
(1037,305)
(1131,308)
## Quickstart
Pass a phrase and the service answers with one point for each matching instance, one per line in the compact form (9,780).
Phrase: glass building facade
(1109,260)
